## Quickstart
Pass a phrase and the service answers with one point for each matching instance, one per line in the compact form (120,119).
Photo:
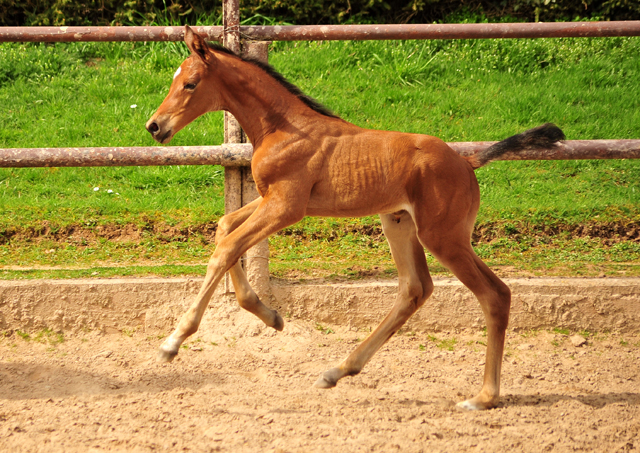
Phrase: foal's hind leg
(453,249)
(415,286)
(247,298)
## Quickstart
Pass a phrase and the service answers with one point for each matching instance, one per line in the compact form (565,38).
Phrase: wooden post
(232,130)
(239,187)
(257,258)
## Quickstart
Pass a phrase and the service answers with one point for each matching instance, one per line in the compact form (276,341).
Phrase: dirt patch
(128,232)
(612,232)
(251,390)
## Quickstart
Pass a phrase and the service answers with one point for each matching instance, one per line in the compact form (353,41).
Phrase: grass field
(536,218)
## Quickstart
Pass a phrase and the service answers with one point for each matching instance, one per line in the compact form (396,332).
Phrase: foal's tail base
(541,137)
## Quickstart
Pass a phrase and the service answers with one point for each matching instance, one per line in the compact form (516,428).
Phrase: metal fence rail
(443,31)
(328,32)
(228,155)
(239,155)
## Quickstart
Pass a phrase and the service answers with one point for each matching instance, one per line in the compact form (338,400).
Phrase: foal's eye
(190,86)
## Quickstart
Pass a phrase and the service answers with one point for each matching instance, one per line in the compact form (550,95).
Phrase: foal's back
(365,172)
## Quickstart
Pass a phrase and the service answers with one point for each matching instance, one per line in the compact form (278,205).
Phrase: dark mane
(291,88)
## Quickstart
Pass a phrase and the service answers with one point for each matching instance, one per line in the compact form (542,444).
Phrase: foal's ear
(196,44)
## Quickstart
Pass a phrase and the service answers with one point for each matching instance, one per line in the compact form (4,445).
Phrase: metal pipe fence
(222,155)
(239,187)
(239,154)
(327,32)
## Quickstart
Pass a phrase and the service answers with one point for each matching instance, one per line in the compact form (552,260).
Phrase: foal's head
(189,97)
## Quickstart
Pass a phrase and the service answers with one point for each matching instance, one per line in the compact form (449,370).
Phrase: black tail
(541,137)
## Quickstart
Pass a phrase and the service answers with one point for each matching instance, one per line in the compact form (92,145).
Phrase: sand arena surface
(250,390)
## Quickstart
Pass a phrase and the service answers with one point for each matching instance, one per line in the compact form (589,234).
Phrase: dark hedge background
(139,12)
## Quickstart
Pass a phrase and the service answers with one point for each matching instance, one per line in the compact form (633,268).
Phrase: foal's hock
(309,162)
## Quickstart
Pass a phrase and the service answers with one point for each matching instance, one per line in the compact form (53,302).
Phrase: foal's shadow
(597,400)
(23,381)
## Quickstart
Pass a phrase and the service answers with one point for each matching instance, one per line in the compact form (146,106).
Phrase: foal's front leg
(268,217)
(247,298)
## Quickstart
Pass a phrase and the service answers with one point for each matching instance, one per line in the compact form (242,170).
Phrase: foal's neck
(260,103)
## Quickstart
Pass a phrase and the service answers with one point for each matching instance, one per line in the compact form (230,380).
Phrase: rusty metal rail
(106,34)
(567,150)
(329,32)
(228,155)
(239,155)
(443,31)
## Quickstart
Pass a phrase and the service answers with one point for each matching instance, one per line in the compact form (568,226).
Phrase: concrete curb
(154,305)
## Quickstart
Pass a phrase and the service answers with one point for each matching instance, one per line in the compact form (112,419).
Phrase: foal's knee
(225,227)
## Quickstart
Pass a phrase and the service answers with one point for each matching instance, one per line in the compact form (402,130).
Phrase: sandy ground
(249,393)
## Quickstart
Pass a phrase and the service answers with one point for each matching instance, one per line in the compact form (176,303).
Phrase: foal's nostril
(153,127)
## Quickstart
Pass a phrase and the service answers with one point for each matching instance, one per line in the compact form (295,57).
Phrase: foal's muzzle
(157,132)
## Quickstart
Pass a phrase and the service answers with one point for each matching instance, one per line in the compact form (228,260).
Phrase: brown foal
(308,162)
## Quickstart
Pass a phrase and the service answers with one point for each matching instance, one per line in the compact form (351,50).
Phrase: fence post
(257,258)
(232,130)
(239,187)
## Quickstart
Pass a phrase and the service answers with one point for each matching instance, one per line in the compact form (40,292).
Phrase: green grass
(103,272)
(160,220)
(49,336)
(474,90)
(447,343)
(81,95)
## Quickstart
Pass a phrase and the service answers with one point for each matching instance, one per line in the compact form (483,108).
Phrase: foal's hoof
(476,404)
(279,322)
(328,379)
(165,356)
